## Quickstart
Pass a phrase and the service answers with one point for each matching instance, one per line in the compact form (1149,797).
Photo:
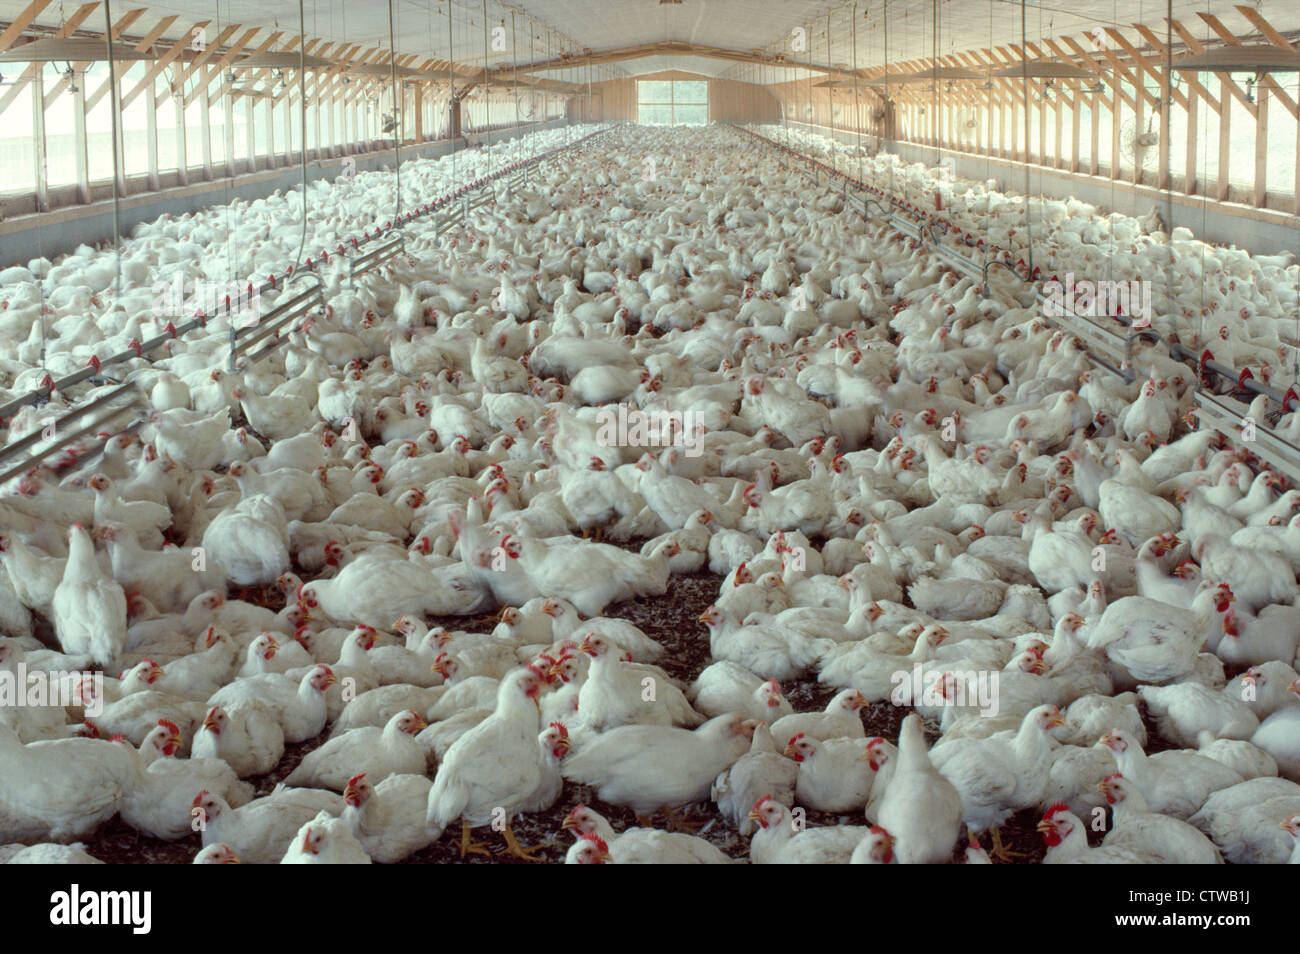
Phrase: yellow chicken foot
(1000,851)
(678,823)
(468,847)
(518,850)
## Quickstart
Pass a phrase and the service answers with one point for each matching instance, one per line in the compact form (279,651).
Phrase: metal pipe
(35,436)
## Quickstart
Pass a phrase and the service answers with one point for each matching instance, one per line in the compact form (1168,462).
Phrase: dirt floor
(672,619)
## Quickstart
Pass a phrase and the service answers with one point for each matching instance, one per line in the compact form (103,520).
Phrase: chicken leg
(518,850)
(466,845)
(679,823)
(1000,851)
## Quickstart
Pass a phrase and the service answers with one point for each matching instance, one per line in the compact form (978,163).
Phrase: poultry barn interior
(649,431)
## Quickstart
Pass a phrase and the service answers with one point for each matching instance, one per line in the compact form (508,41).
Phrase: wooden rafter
(22,22)
(1226,81)
(1264,78)
(145,44)
(1192,82)
(161,64)
(34,69)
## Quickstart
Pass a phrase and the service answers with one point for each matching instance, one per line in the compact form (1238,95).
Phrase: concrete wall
(1257,231)
(62,230)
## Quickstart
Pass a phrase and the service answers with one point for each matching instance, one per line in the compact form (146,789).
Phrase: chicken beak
(569,824)
(789,750)
(605,857)
(1043,826)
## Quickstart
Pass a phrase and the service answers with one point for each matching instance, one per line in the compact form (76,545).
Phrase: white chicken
(89,607)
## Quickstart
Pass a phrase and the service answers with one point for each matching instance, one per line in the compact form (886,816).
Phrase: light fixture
(281,60)
(952,73)
(381,69)
(73,50)
(1044,69)
(893,79)
(1241,59)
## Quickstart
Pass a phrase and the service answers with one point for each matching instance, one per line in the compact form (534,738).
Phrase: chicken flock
(402,541)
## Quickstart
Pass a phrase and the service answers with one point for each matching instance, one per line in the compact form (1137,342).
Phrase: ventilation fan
(1139,147)
(530,105)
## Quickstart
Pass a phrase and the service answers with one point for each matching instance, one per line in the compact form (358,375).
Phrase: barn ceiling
(526,31)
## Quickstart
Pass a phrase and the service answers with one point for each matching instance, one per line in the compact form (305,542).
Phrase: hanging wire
(889,111)
(453,106)
(1024,69)
(227,109)
(114,107)
(399,116)
(857,103)
(487,90)
(514,58)
(302,94)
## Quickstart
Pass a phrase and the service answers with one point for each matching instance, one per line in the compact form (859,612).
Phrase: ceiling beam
(663,48)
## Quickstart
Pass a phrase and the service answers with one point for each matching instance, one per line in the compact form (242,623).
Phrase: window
(672,102)
(17,143)
(60,126)
(135,122)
